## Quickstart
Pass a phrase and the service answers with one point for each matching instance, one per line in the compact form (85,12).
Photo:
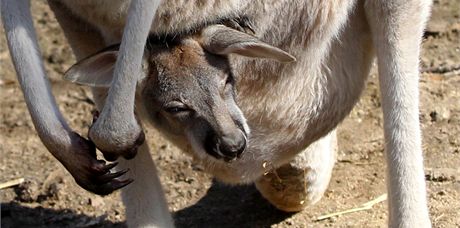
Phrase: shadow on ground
(14,215)
(230,206)
(222,206)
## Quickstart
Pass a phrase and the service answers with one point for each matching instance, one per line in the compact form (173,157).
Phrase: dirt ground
(52,199)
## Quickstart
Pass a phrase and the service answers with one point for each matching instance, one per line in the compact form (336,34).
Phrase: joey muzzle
(227,147)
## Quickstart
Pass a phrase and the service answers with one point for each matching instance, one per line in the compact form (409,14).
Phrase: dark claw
(98,167)
(117,184)
(108,167)
(110,176)
(113,186)
(107,188)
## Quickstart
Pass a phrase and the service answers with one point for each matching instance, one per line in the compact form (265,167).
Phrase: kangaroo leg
(73,151)
(303,181)
(144,199)
(117,130)
(397,27)
(145,204)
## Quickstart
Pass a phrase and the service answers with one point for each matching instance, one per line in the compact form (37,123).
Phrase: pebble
(27,192)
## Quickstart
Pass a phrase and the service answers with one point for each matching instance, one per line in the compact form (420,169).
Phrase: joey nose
(233,145)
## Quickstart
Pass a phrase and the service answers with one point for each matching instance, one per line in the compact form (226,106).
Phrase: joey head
(187,88)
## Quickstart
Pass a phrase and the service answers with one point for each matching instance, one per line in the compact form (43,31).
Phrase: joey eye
(176,108)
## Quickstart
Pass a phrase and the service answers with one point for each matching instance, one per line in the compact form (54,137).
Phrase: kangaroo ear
(95,70)
(222,40)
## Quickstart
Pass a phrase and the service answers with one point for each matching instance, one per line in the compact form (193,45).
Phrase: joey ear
(95,70)
(222,40)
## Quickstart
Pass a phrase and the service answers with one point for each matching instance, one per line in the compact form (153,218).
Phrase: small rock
(440,114)
(442,193)
(96,201)
(434,116)
(445,114)
(442,174)
(53,191)
(53,187)
(28,191)
(332,219)
(436,27)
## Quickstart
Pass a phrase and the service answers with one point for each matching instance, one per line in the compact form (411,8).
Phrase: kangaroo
(281,117)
